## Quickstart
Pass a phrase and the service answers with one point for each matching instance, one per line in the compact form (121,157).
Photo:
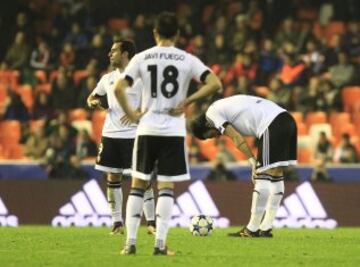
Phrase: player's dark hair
(198,126)
(127,46)
(167,25)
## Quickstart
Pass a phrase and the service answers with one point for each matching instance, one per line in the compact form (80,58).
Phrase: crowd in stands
(302,54)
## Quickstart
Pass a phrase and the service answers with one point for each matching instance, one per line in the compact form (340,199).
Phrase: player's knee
(114,177)
(164,185)
(138,183)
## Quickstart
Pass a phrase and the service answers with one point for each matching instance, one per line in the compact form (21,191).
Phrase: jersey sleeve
(199,69)
(132,70)
(216,118)
(100,88)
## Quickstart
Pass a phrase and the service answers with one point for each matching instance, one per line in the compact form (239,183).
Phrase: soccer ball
(201,225)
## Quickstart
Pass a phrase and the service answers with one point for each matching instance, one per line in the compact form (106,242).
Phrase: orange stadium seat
(118,24)
(9,78)
(3,95)
(44,87)
(10,132)
(335,27)
(41,76)
(298,116)
(304,155)
(262,91)
(350,95)
(208,148)
(97,120)
(302,129)
(356,121)
(348,128)
(78,114)
(14,151)
(26,94)
(315,117)
(78,75)
(336,120)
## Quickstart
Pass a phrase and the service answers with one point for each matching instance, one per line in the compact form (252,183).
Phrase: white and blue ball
(201,225)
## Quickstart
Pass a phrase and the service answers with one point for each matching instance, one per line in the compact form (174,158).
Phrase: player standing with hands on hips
(117,142)
(166,72)
(276,131)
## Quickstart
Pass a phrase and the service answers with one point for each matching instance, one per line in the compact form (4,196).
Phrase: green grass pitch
(36,246)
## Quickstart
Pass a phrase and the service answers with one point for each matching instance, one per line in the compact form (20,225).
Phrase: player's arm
(211,85)
(242,145)
(121,97)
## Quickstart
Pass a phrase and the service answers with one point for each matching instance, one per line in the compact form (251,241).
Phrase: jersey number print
(170,75)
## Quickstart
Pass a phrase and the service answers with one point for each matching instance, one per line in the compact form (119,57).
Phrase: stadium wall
(83,203)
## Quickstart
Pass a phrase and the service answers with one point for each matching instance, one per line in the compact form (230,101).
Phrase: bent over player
(276,131)
(166,72)
(115,149)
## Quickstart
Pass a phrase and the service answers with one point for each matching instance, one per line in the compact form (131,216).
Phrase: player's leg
(149,209)
(134,208)
(164,207)
(277,189)
(115,198)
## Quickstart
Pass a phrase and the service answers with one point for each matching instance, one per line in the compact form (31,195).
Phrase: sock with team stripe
(115,198)
(164,209)
(133,214)
(149,205)
(259,199)
(277,189)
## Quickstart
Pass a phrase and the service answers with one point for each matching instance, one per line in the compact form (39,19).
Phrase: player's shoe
(266,233)
(163,252)
(128,250)
(151,228)
(244,233)
(118,228)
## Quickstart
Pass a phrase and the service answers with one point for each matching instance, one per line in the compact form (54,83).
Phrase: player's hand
(94,103)
(178,111)
(253,163)
(135,118)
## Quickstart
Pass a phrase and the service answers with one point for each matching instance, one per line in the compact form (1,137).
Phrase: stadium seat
(118,24)
(262,91)
(3,95)
(97,120)
(78,75)
(26,94)
(336,120)
(44,87)
(348,128)
(14,151)
(356,122)
(9,78)
(350,95)
(78,114)
(304,155)
(41,76)
(302,129)
(334,27)
(298,116)
(315,117)
(10,132)
(208,148)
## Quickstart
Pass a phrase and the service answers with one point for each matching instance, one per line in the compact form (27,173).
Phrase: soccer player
(276,131)
(166,72)
(115,150)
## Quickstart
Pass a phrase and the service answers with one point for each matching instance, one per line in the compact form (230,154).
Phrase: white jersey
(166,73)
(249,115)
(113,128)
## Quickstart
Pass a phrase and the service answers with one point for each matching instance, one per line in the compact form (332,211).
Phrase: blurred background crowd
(302,54)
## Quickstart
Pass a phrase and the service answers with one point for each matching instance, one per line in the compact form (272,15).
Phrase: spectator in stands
(22,24)
(85,147)
(218,52)
(86,91)
(323,155)
(342,73)
(351,39)
(42,108)
(242,86)
(62,119)
(98,51)
(195,155)
(244,66)
(313,58)
(15,108)
(40,56)
(197,47)
(223,155)
(292,71)
(67,55)
(287,33)
(269,62)
(143,34)
(18,54)
(278,93)
(63,93)
(219,172)
(37,143)
(77,37)
(331,52)
(346,151)
(240,34)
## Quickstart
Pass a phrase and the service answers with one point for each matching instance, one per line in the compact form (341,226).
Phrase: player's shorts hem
(276,164)
(109,169)
(161,178)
